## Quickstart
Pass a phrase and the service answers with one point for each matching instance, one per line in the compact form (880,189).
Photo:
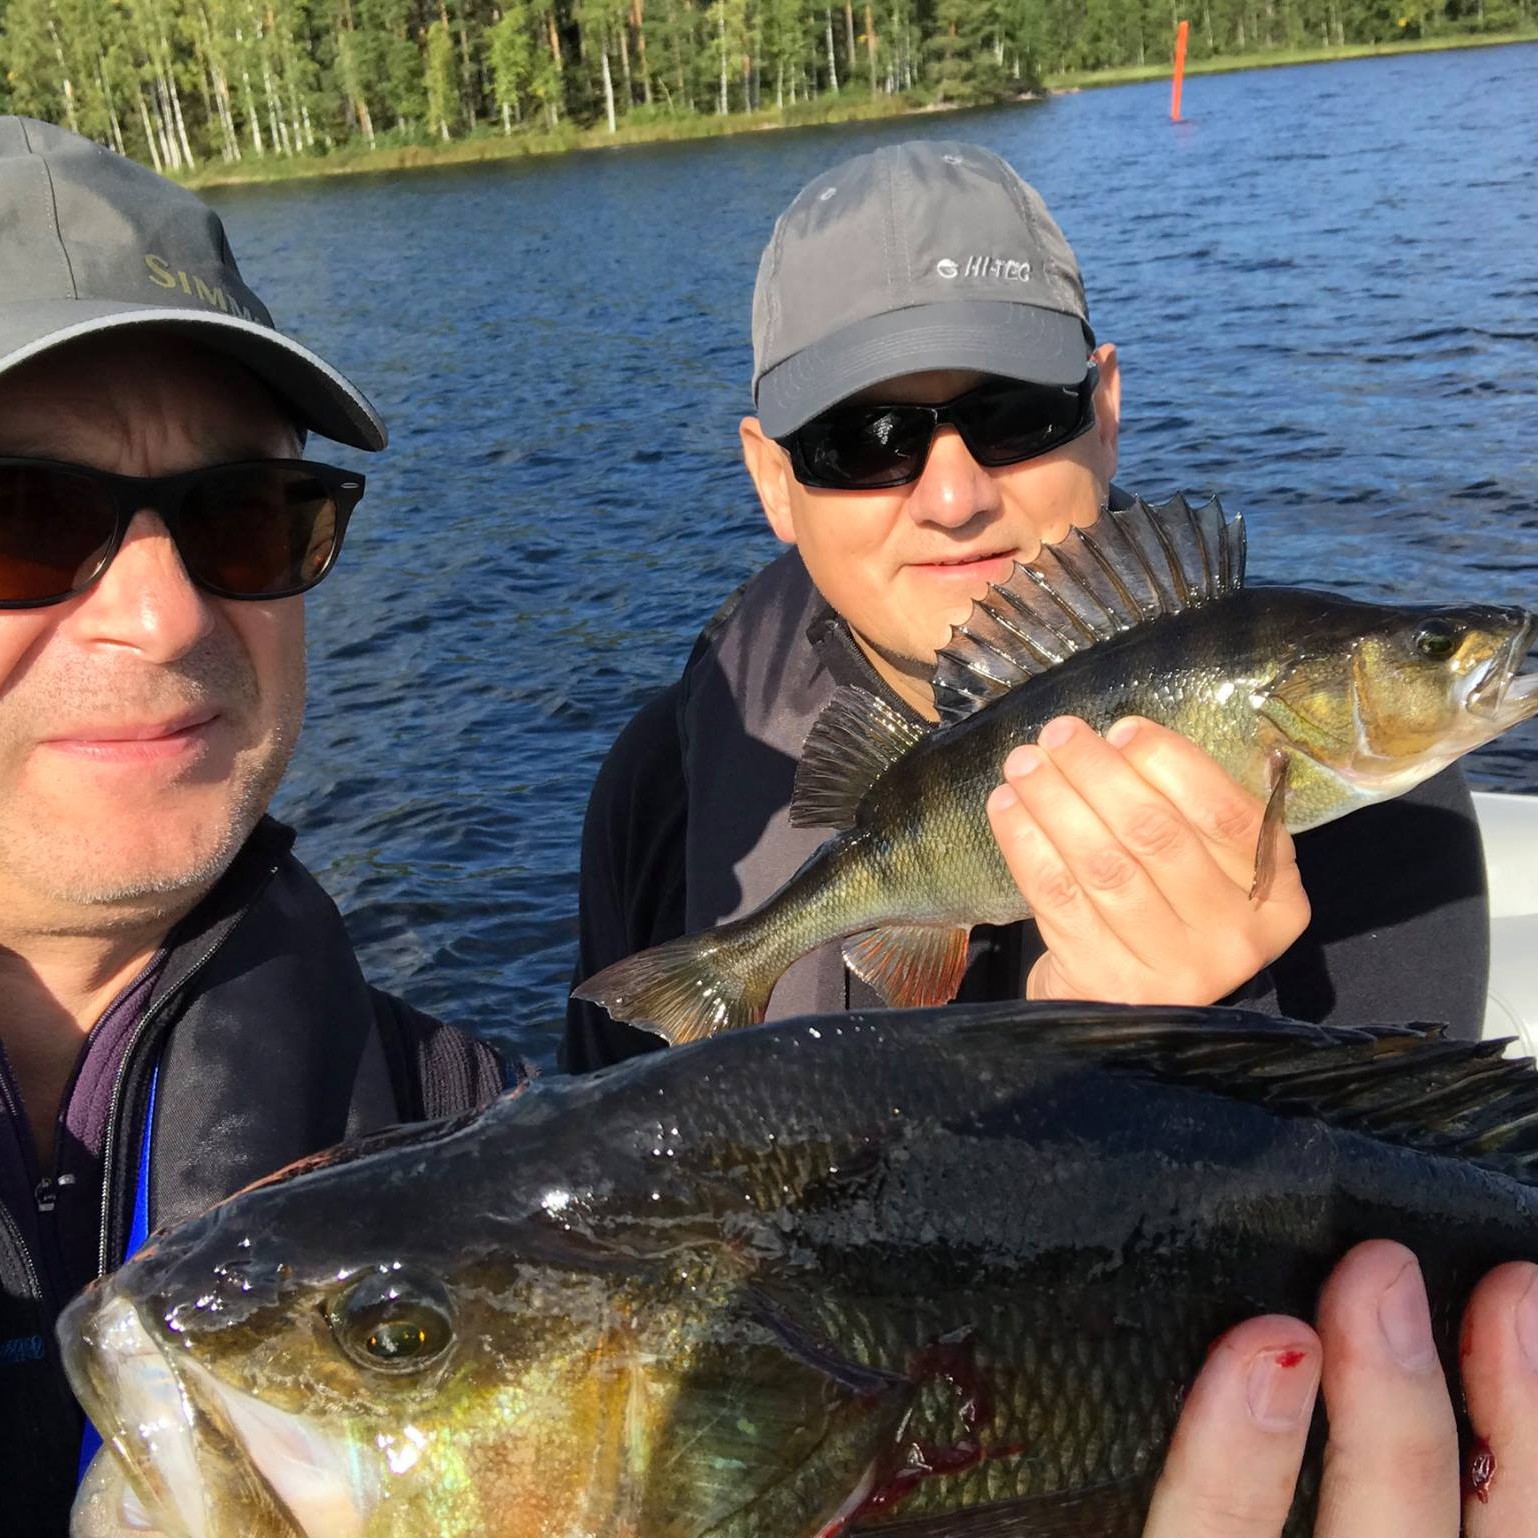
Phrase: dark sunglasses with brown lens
(268,528)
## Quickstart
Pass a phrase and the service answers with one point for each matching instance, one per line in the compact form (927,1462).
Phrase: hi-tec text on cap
(985,267)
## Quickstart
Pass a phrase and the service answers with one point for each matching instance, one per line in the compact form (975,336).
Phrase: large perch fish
(948,1270)
(1319,703)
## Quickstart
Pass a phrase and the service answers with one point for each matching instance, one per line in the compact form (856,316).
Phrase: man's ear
(769,465)
(1107,409)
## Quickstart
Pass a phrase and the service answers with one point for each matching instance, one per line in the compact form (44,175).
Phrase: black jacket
(270,1046)
(688,826)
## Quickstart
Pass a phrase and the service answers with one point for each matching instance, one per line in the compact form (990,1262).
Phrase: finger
(1071,923)
(1143,821)
(1233,1462)
(1226,815)
(1094,870)
(1391,1464)
(1500,1379)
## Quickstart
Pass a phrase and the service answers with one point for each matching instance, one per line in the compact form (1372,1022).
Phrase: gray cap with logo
(925,255)
(91,244)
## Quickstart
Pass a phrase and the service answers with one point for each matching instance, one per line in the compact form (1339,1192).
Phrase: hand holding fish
(1392,1466)
(1136,852)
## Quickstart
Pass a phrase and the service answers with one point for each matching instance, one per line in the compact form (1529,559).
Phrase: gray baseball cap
(925,255)
(92,244)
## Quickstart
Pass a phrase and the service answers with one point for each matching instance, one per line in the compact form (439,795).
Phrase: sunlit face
(144,725)
(904,565)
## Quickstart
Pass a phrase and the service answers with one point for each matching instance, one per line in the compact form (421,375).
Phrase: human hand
(1136,852)
(1391,1465)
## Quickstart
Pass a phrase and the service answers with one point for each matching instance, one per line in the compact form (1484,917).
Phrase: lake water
(1323,284)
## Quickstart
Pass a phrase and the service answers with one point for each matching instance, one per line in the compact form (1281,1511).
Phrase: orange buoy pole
(1180,69)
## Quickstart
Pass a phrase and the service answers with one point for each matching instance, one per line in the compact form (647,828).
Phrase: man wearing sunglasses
(932,405)
(180,1010)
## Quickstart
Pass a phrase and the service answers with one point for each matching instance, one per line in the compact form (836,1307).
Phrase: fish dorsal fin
(1130,566)
(855,740)
(1407,1085)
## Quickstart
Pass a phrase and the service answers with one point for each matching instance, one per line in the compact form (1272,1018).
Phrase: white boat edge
(1508,827)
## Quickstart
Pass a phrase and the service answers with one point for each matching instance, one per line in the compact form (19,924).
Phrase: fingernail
(1055,733)
(1003,799)
(1406,1321)
(1122,732)
(1281,1387)
(1022,762)
(1527,1325)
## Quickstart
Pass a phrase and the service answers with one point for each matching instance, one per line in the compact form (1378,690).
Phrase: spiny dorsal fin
(1404,1084)
(1130,566)
(855,740)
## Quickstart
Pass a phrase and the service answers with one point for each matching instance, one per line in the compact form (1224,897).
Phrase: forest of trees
(184,83)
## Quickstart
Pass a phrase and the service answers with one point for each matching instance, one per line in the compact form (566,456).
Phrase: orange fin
(910,964)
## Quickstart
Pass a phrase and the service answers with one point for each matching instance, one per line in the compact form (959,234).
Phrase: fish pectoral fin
(910,964)
(1272,825)
(813,1350)
(855,740)
(1104,1511)
(774,1423)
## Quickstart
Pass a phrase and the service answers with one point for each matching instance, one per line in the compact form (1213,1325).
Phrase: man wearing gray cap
(932,404)
(182,1010)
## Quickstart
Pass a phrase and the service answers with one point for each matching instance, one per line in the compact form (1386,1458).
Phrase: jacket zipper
(28,1265)
(104,1260)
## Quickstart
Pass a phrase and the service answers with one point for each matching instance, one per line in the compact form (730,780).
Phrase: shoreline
(491,147)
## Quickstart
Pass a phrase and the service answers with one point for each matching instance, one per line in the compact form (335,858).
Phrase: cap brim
(1016,341)
(322,399)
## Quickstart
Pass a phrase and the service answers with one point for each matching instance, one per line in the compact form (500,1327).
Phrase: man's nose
(954,488)
(145,599)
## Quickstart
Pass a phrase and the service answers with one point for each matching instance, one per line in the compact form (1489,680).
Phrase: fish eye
(395,1321)
(1436,639)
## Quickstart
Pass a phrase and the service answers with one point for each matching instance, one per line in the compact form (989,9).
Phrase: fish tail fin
(687,989)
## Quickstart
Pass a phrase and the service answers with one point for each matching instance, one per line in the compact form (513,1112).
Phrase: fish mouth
(1505,695)
(203,1459)
(134,1400)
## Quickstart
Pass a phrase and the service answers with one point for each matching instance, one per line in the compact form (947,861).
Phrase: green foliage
(442,98)
(514,58)
(185,84)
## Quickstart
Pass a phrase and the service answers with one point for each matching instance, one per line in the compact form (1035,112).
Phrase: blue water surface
(1324,288)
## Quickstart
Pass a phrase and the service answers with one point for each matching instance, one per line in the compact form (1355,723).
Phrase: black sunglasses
(1002,422)
(270,528)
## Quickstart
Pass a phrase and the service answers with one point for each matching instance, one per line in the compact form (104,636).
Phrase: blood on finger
(1480,1472)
